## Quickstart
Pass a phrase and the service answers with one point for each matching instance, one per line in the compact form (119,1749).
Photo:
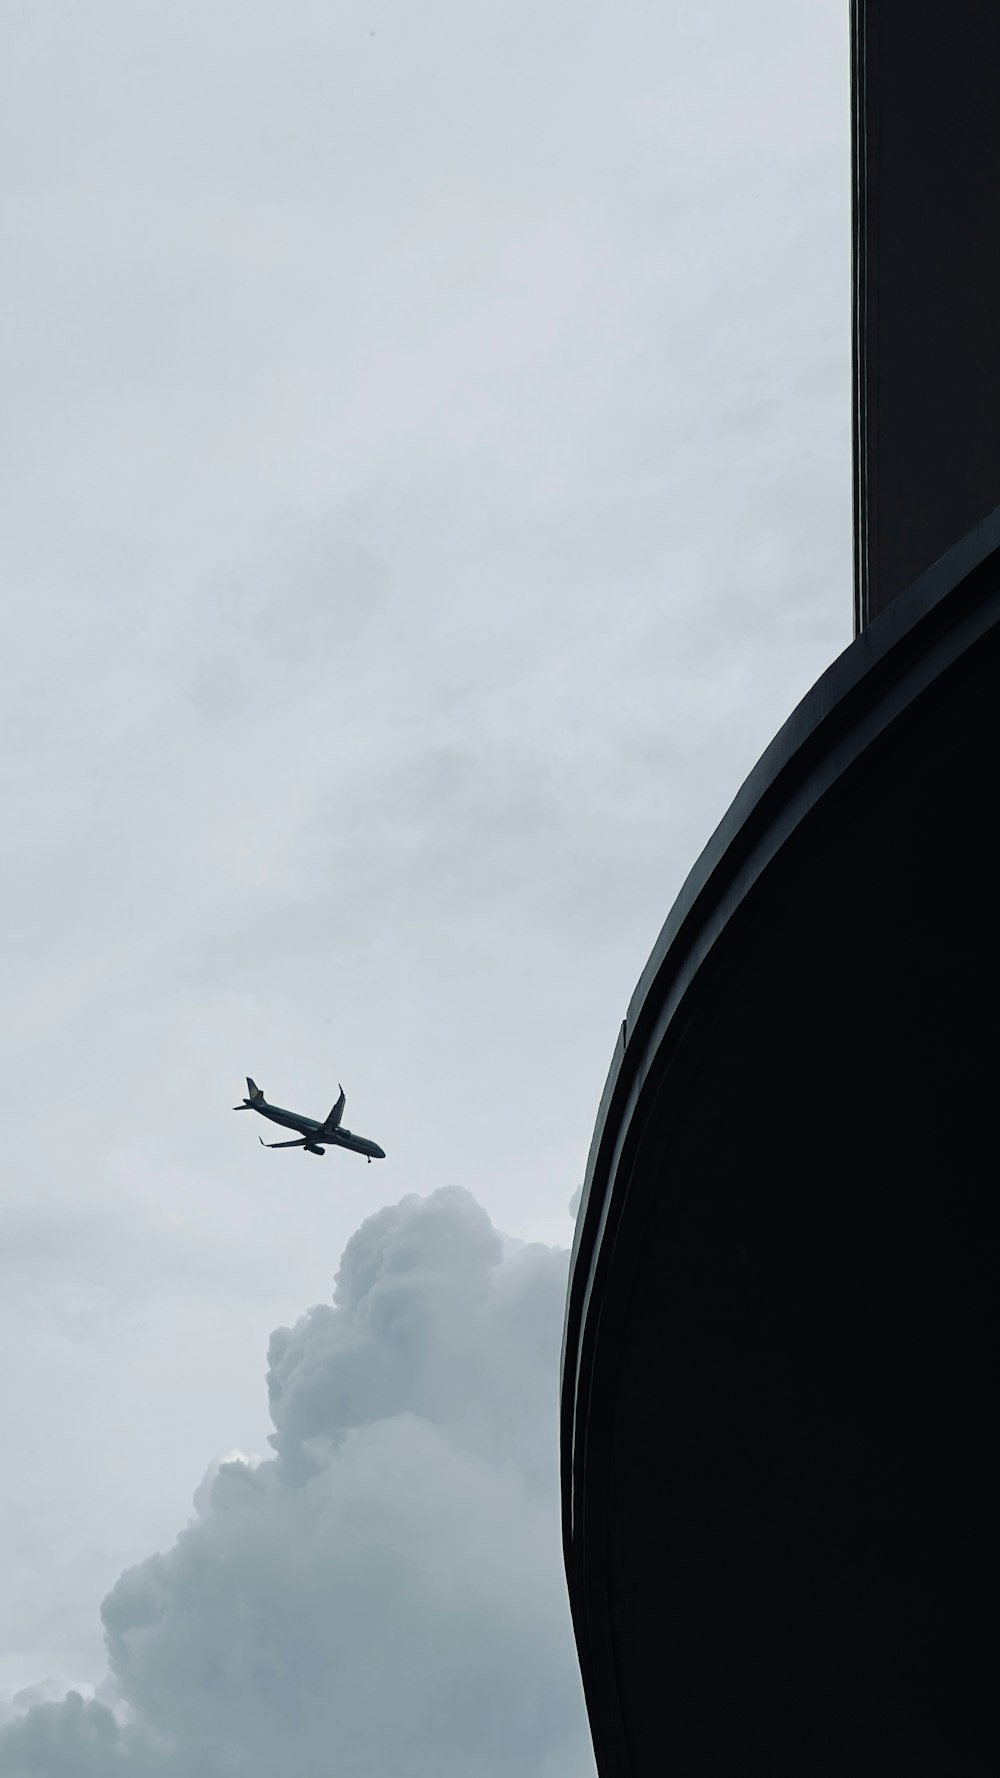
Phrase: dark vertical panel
(926,128)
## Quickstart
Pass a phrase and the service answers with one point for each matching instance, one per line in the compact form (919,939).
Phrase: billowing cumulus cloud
(383,1594)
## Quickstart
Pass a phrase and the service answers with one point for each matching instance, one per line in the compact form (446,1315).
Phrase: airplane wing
(337,1112)
(299,1142)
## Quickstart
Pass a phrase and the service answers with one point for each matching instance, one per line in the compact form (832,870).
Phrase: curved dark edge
(862,694)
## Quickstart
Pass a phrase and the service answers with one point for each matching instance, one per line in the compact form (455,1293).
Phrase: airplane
(312,1135)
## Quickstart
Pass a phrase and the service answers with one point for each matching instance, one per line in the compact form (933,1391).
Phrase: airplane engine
(310,1148)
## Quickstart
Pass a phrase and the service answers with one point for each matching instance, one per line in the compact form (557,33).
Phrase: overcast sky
(426,490)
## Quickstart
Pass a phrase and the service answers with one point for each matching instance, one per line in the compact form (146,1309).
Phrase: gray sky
(425,468)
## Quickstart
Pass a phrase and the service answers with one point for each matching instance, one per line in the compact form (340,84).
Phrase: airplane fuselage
(319,1133)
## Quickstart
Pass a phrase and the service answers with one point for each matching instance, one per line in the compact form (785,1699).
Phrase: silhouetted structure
(780,1471)
(927,286)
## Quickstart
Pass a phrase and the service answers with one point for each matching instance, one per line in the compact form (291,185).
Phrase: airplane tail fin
(256,1096)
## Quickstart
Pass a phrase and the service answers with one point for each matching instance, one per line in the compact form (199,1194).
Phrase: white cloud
(385,1592)
(77,1736)
(53,1690)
